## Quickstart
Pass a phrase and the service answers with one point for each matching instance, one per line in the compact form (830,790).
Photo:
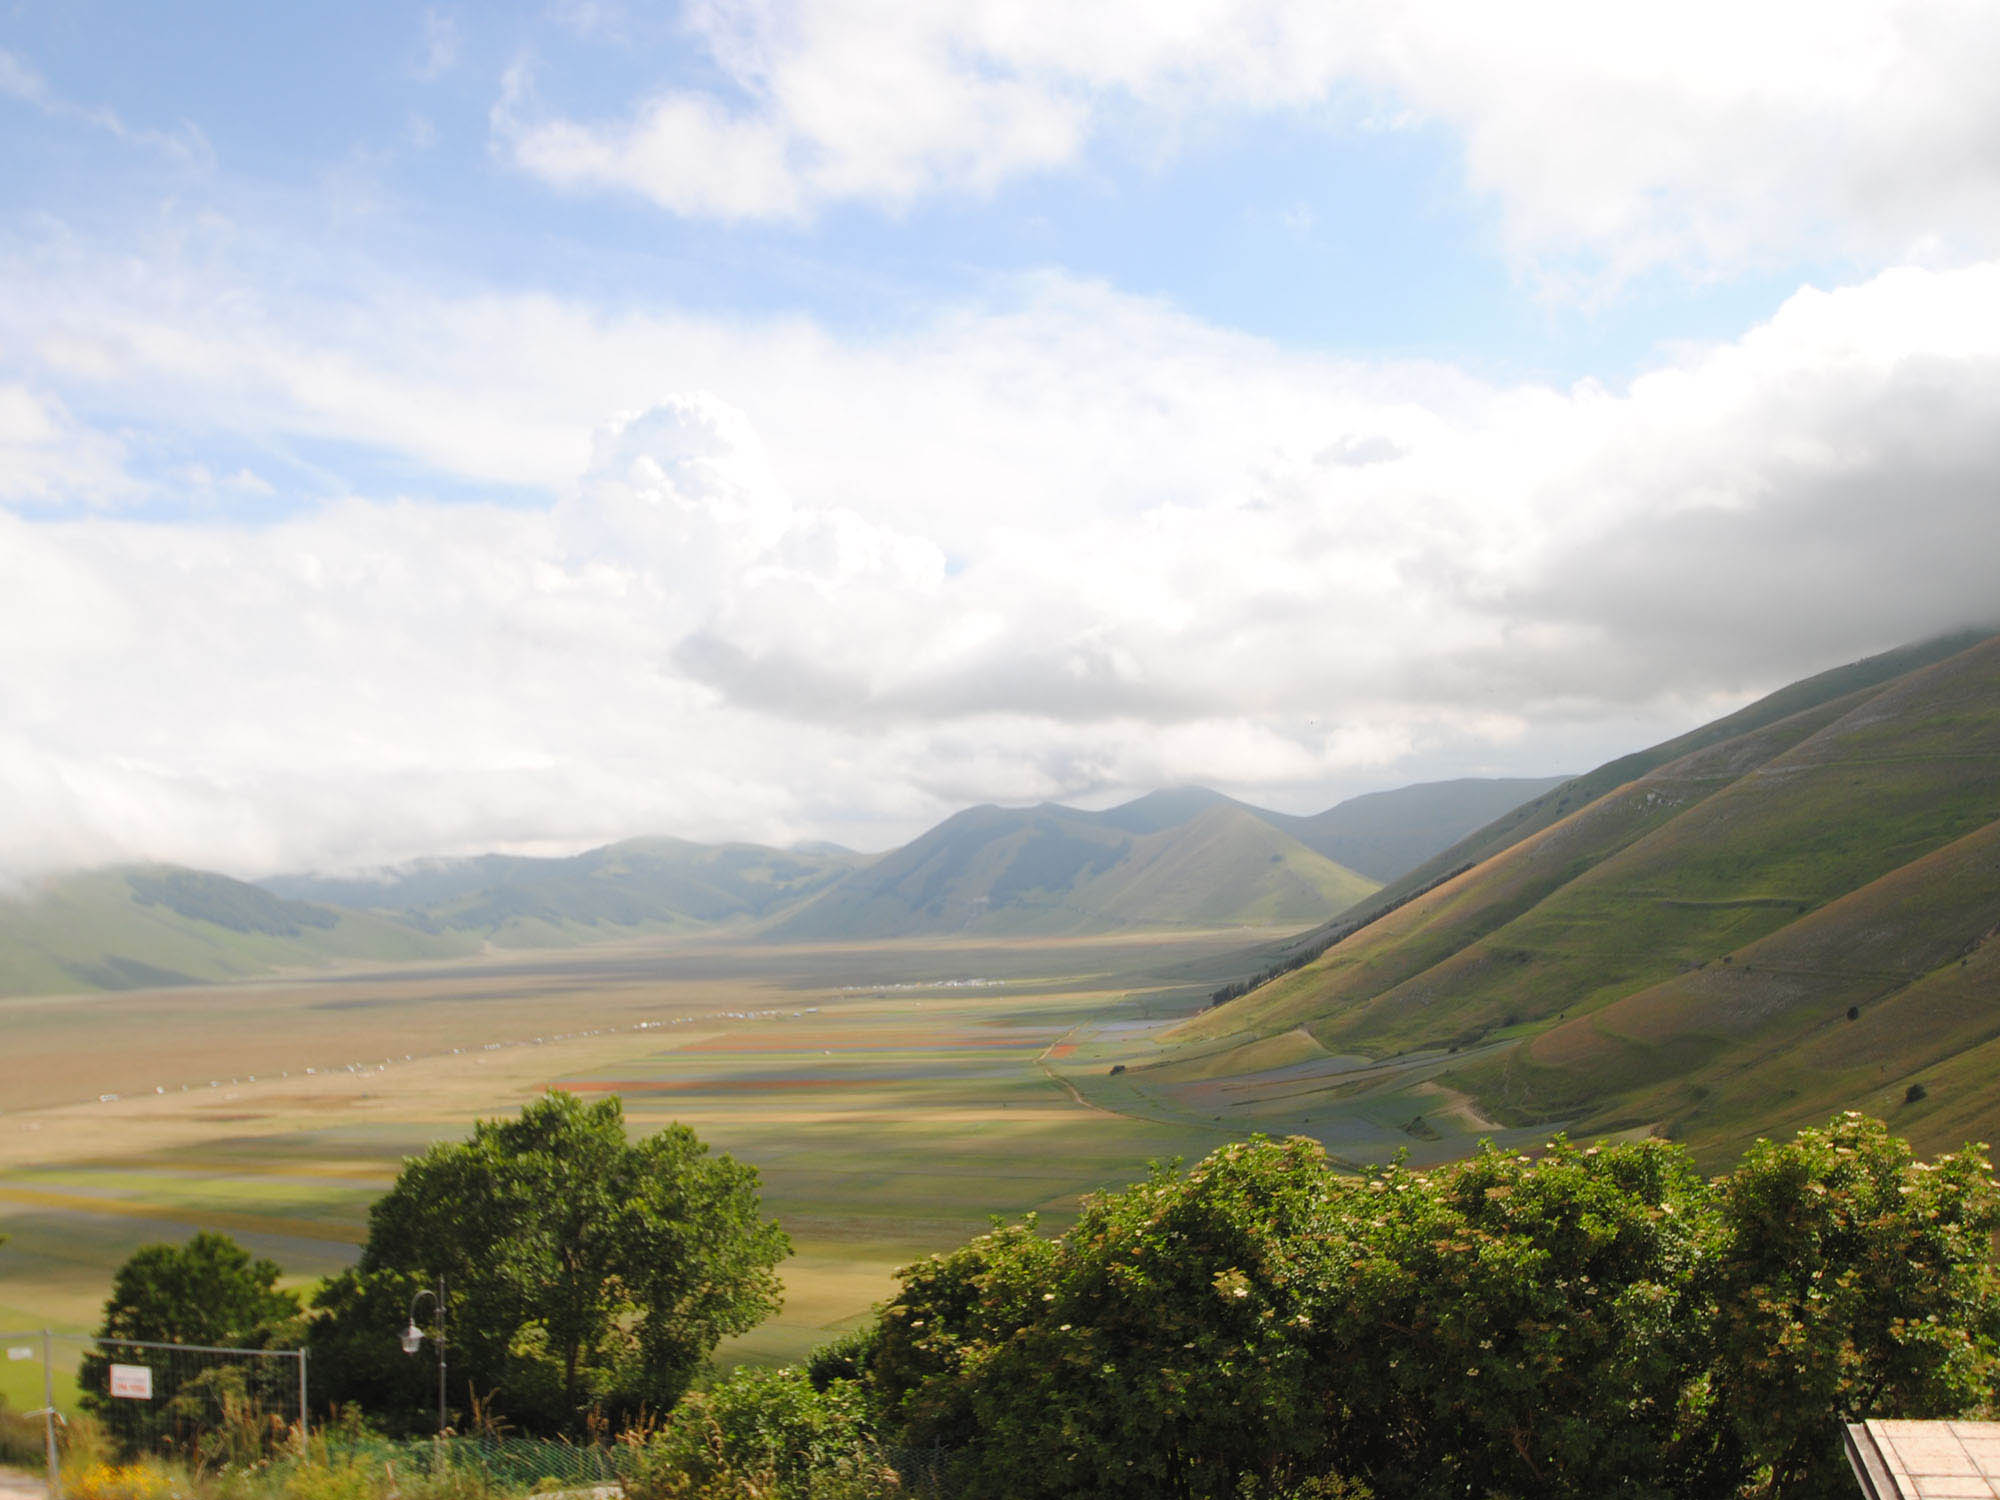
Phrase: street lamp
(413,1338)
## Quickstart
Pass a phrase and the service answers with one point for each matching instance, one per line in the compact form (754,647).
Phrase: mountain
(1176,859)
(1384,835)
(1180,857)
(651,884)
(1736,932)
(136,927)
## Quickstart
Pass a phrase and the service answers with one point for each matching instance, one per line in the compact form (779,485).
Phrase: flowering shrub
(144,1480)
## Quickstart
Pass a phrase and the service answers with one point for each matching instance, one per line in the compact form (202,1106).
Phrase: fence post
(303,1419)
(49,1413)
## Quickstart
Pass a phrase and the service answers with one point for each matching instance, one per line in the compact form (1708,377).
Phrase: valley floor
(892,1095)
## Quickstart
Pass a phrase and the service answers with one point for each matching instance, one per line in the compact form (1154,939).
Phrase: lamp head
(413,1338)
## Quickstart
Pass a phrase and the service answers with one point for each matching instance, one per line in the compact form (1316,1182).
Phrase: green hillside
(1681,948)
(1053,869)
(1382,835)
(1537,813)
(660,885)
(138,927)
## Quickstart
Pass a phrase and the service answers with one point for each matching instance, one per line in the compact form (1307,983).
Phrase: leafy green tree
(208,1291)
(585,1272)
(1590,1321)
(1517,1326)
(1855,1281)
(1164,1346)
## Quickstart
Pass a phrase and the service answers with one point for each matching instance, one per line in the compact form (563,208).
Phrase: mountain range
(1185,857)
(1738,931)
(1779,914)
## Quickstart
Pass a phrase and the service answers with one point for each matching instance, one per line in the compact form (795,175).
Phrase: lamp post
(413,1338)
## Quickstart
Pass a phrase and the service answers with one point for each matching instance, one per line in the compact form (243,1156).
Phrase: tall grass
(339,1464)
(21,1439)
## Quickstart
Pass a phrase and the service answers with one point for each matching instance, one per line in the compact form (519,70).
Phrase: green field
(892,1095)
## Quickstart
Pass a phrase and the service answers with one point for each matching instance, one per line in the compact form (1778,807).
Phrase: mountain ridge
(1604,956)
(1173,858)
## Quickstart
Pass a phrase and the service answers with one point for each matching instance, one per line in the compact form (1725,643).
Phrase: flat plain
(893,1096)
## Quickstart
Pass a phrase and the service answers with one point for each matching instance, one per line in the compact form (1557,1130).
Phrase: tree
(1588,1321)
(584,1272)
(1854,1281)
(1164,1346)
(208,1291)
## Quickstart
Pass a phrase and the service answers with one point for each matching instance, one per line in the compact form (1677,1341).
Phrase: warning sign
(133,1382)
(20,1351)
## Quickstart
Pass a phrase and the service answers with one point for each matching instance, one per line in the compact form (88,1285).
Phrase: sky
(516,426)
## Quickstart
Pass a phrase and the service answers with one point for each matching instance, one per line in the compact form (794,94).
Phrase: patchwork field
(892,1095)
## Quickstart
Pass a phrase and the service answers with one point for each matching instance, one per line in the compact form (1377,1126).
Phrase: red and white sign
(133,1382)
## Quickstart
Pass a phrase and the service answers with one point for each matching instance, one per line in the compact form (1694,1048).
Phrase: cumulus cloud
(1074,546)
(1707,136)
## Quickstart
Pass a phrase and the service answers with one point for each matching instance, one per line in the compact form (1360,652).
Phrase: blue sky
(433,428)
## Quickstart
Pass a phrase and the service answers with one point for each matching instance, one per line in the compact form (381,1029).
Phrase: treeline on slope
(1588,1321)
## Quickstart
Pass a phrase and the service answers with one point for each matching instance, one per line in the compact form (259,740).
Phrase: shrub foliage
(1592,1321)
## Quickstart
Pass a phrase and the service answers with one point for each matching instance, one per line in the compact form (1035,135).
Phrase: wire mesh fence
(202,1402)
(218,1408)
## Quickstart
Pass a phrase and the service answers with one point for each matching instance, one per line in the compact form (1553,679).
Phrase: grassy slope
(1053,870)
(131,927)
(1799,836)
(1227,867)
(659,885)
(1553,806)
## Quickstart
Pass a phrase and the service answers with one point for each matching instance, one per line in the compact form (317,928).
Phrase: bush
(764,1435)
(1593,1321)
(144,1479)
(842,1358)
(1855,1281)
(1164,1346)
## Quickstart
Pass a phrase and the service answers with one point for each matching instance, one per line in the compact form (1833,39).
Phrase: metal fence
(218,1406)
(201,1402)
(22,1347)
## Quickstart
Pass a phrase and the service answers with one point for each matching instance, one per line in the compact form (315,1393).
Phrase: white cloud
(1070,545)
(1614,139)
(21,82)
(48,459)
(439,49)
